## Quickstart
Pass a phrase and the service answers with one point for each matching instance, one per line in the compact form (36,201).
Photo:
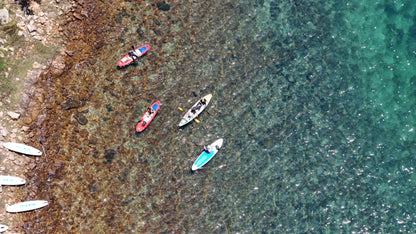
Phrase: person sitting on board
(150,111)
(207,150)
(133,54)
(200,104)
(148,115)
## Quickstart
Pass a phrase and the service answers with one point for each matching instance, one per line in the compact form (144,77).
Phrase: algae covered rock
(163,6)
(80,118)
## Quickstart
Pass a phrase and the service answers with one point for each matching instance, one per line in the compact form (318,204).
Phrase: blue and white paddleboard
(26,206)
(11,180)
(3,228)
(21,148)
(205,157)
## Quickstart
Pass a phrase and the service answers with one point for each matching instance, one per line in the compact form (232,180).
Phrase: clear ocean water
(315,101)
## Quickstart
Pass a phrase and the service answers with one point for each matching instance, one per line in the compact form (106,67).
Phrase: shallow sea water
(314,100)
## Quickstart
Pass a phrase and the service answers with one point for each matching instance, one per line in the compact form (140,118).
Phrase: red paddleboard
(147,117)
(127,59)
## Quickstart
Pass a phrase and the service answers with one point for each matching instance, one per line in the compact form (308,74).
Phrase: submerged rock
(70,103)
(80,118)
(109,156)
(163,6)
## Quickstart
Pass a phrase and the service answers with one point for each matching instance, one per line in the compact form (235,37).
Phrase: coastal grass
(20,61)
(10,28)
(5,84)
(7,32)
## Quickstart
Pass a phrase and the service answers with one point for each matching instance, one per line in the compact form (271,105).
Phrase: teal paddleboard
(205,157)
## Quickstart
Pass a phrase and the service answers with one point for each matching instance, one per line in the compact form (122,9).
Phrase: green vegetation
(1,64)
(10,28)
(8,32)
(20,61)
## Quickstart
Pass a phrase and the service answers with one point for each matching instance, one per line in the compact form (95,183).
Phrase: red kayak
(129,58)
(147,116)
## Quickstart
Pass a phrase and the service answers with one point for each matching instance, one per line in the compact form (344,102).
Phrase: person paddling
(133,54)
(207,150)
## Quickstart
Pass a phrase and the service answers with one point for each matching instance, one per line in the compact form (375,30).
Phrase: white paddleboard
(26,206)
(21,148)
(205,157)
(3,228)
(11,180)
(195,110)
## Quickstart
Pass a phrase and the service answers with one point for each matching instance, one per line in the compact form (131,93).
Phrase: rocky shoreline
(41,38)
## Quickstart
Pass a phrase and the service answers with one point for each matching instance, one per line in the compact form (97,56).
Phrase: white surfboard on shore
(3,228)
(11,180)
(21,148)
(26,206)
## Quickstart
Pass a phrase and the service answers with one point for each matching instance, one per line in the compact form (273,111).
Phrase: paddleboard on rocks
(22,148)
(26,206)
(3,228)
(11,180)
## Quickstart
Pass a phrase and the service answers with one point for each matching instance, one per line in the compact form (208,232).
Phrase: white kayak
(205,156)
(11,180)
(21,148)
(3,228)
(26,206)
(195,110)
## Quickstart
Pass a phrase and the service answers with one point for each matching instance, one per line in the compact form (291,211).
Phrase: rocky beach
(30,44)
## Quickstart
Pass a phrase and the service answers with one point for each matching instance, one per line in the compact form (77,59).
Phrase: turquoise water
(314,100)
